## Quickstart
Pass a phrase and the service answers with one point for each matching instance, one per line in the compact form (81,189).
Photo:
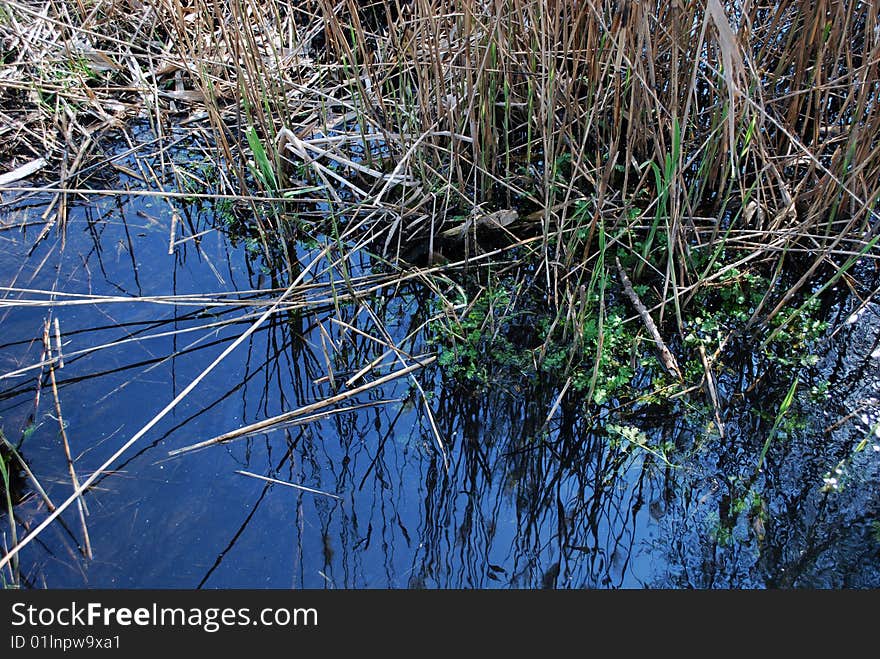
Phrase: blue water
(518,501)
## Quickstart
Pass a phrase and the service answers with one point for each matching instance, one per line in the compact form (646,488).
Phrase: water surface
(522,498)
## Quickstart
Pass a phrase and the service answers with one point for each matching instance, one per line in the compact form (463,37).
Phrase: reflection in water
(528,495)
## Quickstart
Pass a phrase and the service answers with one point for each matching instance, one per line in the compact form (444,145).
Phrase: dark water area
(527,495)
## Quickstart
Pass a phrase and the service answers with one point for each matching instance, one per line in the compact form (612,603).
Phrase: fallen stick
(666,356)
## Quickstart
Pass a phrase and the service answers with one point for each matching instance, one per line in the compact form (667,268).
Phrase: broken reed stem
(666,356)
(302,411)
(81,504)
(171,238)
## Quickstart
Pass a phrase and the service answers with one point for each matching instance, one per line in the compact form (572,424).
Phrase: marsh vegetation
(543,293)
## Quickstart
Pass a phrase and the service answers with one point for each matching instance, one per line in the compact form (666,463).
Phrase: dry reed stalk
(74,480)
(305,410)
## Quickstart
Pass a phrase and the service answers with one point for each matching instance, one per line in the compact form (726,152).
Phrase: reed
(696,123)
(759,115)
(694,143)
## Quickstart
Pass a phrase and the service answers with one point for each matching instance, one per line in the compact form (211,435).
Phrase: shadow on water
(534,495)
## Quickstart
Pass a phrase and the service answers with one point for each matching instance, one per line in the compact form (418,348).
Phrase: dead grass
(757,116)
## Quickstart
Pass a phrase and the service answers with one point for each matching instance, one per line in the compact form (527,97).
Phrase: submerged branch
(666,356)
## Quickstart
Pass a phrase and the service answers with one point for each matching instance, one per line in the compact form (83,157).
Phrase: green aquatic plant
(630,438)
(475,348)
(605,364)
